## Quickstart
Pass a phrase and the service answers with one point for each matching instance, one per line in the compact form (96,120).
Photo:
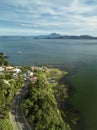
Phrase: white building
(17,70)
(1,69)
(9,68)
(30,73)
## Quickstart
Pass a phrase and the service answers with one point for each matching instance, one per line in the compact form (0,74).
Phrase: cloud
(38,16)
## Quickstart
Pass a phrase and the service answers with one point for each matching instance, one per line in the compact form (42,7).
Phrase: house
(33,79)
(1,69)
(15,75)
(30,73)
(17,70)
(39,68)
(9,68)
(33,68)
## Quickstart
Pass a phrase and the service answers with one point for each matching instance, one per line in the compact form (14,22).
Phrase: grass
(5,124)
(55,73)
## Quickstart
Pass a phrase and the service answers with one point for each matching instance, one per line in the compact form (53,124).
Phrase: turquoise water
(81,54)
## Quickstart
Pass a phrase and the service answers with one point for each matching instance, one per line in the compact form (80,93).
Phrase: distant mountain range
(59,36)
(51,36)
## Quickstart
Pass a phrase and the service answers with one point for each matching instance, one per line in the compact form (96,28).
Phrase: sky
(38,17)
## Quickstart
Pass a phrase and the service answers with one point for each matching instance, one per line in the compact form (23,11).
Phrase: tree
(40,106)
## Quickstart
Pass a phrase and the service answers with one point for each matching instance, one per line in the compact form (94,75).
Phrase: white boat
(19,52)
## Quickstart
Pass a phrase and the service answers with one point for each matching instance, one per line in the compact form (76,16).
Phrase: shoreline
(68,107)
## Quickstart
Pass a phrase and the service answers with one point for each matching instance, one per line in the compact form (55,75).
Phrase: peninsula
(33,98)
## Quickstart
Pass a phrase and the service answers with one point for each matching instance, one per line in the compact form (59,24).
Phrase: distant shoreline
(54,36)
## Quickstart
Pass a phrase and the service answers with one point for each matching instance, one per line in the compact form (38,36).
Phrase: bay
(80,54)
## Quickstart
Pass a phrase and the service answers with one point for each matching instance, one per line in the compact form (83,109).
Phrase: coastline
(72,116)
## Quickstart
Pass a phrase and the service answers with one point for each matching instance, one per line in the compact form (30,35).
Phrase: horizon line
(6,35)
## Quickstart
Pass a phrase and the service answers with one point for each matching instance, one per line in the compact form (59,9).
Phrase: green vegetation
(5,124)
(8,88)
(3,58)
(40,106)
(55,73)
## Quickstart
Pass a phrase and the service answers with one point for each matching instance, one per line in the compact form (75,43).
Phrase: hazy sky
(35,17)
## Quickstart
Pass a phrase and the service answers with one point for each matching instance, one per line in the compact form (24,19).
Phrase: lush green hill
(40,106)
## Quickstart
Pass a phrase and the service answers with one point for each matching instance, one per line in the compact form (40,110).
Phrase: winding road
(16,115)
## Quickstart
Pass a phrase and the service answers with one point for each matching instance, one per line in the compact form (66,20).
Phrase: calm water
(79,53)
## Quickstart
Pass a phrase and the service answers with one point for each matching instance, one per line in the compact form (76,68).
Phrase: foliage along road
(16,115)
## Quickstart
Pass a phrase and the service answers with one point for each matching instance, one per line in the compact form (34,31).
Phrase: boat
(19,52)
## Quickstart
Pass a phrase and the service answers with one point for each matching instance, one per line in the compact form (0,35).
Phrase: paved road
(16,115)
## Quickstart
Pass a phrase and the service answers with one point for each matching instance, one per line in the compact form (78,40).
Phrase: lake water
(81,54)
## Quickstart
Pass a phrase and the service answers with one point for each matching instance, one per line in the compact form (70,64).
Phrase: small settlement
(17,71)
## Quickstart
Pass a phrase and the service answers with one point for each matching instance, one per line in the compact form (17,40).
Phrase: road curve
(16,115)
